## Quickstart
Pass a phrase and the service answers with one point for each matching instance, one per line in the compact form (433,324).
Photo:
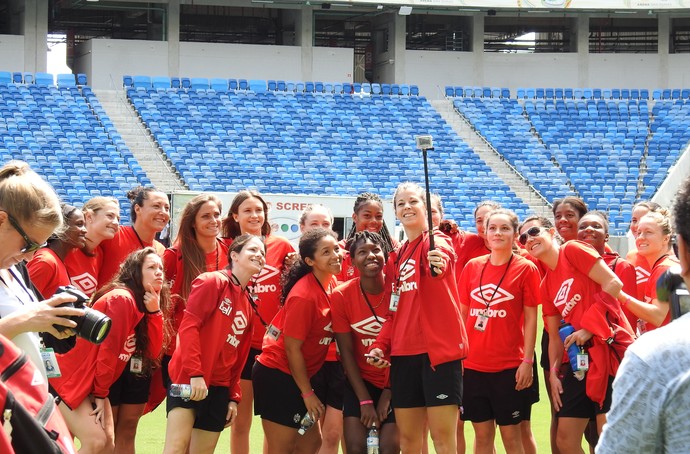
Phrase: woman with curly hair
(132,301)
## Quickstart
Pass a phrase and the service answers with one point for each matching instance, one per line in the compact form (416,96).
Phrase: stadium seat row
(258,86)
(477,92)
(45,79)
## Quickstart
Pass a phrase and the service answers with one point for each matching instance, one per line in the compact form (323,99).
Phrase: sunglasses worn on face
(31,245)
(533,231)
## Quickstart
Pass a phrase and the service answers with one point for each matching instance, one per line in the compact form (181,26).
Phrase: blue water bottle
(564,331)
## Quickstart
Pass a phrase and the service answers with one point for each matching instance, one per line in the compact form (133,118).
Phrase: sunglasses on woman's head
(533,231)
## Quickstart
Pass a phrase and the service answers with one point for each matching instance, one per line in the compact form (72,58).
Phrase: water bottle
(305,424)
(184,392)
(564,331)
(373,440)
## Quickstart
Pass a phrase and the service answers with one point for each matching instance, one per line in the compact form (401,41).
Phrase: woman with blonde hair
(102,219)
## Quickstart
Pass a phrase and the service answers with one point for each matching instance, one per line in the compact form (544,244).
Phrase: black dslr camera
(93,326)
(672,289)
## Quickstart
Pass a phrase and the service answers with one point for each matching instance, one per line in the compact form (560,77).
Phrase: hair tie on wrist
(528,360)
(555,369)
(625,303)
(366,402)
(307,394)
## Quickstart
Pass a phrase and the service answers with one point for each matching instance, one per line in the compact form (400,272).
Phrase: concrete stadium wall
(11,53)
(432,71)
(105,61)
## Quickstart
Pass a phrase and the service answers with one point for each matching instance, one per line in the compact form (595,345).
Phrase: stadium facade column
(399,48)
(582,26)
(478,48)
(663,31)
(35,31)
(304,37)
(173,32)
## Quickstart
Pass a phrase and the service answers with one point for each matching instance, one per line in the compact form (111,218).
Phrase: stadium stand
(64,134)
(318,143)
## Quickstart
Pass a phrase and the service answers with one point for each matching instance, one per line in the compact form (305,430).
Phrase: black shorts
(544,361)
(576,404)
(165,361)
(415,384)
(249,364)
(351,401)
(130,388)
(532,393)
(277,397)
(329,381)
(210,413)
(492,396)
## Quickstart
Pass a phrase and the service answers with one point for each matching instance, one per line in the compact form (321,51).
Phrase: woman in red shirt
(296,344)
(102,218)
(594,230)
(315,215)
(47,268)
(248,213)
(215,336)
(500,312)
(653,242)
(576,288)
(358,308)
(132,301)
(426,376)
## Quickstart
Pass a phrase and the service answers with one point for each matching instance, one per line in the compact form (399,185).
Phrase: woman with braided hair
(367,214)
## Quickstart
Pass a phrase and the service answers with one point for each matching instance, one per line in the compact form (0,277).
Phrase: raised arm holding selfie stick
(426,143)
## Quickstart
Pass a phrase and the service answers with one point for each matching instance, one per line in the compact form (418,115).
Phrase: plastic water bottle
(373,440)
(305,424)
(182,391)
(564,331)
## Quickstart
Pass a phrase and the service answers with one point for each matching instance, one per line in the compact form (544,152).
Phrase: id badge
(395,297)
(482,320)
(273,332)
(641,327)
(582,361)
(50,362)
(136,365)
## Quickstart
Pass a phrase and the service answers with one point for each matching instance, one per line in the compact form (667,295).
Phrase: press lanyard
(481,276)
(249,297)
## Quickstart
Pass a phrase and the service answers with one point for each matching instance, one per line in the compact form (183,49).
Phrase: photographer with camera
(651,393)
(132,300)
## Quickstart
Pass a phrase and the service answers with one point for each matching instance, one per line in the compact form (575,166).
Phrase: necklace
(366,299)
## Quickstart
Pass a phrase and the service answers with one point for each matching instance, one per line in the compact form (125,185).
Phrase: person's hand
(232,413)
(151,299)
(41,316)
(438,259)
(199,389)
(579,337)
(314,406)
(556,389)
(383,407)
(523,376)
(98,405)
(375,358)
(368,415)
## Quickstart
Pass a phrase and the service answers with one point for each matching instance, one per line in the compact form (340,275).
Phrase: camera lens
(94,326)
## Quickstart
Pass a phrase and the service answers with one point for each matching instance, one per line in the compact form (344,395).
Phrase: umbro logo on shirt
(563,302)
(407,269)
(641,274)
(369,326)
(490,292)
(239,323)
(85,282)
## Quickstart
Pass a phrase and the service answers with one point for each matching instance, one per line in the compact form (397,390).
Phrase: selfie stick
(425,143)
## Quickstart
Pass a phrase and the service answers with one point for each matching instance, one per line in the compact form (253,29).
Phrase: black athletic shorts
(209,413)
(249,364)
(130,388)
(329,381)
(492,396)
(415,384)
(576,404)
(351,402)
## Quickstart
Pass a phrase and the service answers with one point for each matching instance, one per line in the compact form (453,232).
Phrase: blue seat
(186,83)
(219,84)
(385,89)
(405,90)
(5,77)
(66,80)
(29,78)
(141,81)
(81,79)
(376,88)
(127,81)
(44,79)
(257,85)
(450,92)
(199,83)
(309,87)
(272,85)
(175,82)
(232,84)
(161,82)
(17,77)
(243,84)
(414,90)
(558,93)
(281,85)
(395,89)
